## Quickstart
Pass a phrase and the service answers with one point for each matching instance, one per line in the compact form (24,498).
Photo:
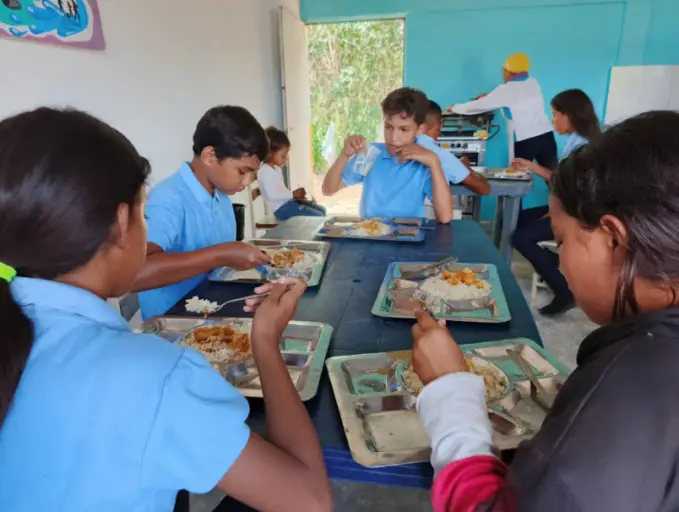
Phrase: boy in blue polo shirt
(405,174)
(458,171)
(191,223)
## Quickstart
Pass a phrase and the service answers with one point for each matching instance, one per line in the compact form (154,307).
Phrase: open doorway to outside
(352,67)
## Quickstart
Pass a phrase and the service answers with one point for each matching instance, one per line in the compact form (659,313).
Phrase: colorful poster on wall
(74,23)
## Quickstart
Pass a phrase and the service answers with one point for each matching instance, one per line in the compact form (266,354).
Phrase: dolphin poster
(74,23)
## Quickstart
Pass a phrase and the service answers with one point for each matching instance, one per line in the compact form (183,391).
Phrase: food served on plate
(288,258)
(219,343)
(514,173)
(198,305)
(456,285)
(495,381)
(370,228)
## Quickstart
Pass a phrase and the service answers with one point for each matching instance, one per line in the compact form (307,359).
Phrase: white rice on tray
(202,306)
(437,287)
(359,230)
(495,382)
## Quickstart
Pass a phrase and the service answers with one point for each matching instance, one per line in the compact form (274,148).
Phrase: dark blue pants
(531,229)
(294,208)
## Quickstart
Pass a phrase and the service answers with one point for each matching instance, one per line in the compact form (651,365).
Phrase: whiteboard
(636,89)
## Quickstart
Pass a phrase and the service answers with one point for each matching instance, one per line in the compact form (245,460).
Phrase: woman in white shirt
(520,98)
(281,201)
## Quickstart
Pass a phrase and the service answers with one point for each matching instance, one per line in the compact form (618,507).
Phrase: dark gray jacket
(611,441)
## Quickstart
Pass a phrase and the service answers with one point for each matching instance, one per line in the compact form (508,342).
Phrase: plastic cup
(365,160)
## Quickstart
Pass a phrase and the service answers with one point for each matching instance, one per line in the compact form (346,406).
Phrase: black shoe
(559,305)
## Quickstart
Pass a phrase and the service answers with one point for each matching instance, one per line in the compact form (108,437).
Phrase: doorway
(352,67)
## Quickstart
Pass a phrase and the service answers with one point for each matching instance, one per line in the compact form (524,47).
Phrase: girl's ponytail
(15,347)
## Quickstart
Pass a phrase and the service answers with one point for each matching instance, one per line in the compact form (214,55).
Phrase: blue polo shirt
(391,189)
(107,420)
(183,217)
(574,141)
(454,170)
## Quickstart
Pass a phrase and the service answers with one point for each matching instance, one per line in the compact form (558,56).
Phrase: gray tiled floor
(561,336)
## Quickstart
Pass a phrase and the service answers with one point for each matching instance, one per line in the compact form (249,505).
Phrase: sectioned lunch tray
(303,346)
(504,174)
(392,302)
(379,415)
(312,273)
(403,229)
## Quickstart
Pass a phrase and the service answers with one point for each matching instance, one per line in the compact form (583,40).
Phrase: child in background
(92,416)
(611,439)
(191,222)
(283,203)
(405,173)
(458,171)
(572,115)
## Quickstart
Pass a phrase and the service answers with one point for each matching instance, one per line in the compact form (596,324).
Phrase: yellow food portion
(214,341)
(287,259)
(466,277)
(373,227)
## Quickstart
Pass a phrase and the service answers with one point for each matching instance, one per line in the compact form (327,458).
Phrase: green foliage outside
(353,66)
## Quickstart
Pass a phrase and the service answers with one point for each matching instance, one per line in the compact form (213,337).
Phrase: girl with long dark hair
(93,416)
(611,439)
(573,115)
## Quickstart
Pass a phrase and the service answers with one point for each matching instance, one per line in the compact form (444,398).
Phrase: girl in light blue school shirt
(92,416)
(573,115)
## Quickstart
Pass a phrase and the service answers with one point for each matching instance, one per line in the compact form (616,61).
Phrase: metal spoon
(428,270)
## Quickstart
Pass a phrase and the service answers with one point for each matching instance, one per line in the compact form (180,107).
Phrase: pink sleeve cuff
(465,485)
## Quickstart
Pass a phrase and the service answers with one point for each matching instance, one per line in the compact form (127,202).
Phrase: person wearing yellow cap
(520,98)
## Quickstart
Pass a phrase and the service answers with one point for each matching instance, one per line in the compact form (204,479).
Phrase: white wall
(166,62)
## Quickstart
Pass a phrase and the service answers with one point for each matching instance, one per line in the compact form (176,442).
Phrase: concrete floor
(561,336)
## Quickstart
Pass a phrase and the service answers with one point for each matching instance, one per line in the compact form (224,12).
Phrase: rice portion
(203,306)
(293,258)
(219,343)
(440,288)
(496,383)
(370,228)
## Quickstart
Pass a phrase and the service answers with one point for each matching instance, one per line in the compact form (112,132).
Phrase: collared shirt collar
(519,77)
(198,190)
(42,295)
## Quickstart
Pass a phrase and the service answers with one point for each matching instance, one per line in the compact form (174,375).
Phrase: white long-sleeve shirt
(272,187)
(523,98)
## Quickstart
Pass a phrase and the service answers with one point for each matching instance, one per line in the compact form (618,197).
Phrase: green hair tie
(7,273)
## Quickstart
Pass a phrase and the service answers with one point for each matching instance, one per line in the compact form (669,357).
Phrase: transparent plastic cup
(365,160)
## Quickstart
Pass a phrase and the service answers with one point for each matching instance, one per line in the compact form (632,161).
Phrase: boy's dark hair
(575,104)
(434,112)
(233,132)
(631,172)
(406,102)
(278,139)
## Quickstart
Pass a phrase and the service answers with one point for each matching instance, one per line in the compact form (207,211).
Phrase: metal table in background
(353,274)
(508,194)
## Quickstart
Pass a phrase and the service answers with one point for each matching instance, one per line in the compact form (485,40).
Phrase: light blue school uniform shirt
(391,188)
(107,420)
(454,170)
(183,217)
(574,142)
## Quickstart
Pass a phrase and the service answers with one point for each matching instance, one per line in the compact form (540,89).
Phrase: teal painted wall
(455,48)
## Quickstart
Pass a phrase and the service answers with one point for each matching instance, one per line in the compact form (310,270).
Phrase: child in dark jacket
(611,440)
